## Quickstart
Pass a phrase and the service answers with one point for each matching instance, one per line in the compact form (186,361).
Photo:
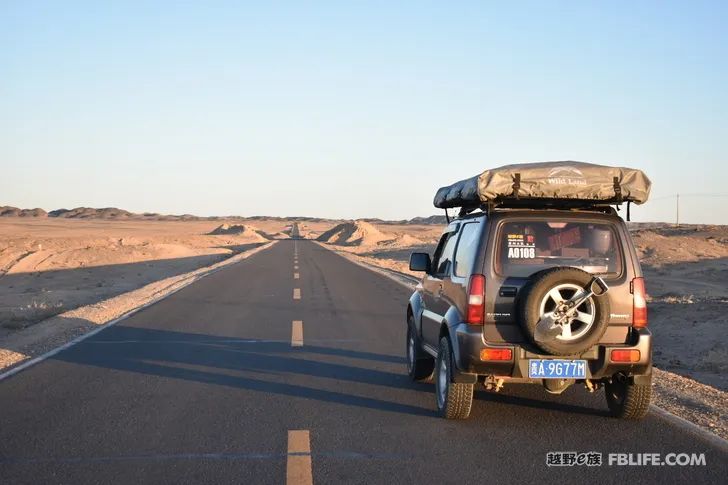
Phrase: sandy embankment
(686,270)
(386,246)
(90,272)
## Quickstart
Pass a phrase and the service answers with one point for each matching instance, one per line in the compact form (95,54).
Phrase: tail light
(496,354)
(630,355)
(639,305)
(476,299)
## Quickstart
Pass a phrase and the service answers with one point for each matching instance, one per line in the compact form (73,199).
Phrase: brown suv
(543,296)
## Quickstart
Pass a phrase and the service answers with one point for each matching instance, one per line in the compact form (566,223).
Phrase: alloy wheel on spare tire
(546,293)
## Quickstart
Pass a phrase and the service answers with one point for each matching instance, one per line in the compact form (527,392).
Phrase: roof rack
(604,206)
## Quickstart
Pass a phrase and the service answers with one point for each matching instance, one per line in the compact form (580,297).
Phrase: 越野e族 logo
(566,175)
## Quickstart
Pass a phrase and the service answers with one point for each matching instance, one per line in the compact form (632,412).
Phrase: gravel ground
(698,403)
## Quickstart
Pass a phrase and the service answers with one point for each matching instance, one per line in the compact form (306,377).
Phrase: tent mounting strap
(516,184)
(617,190)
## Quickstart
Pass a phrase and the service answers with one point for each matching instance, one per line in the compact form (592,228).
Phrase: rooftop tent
(547,182)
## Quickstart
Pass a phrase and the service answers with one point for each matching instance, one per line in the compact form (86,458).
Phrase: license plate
(556,369)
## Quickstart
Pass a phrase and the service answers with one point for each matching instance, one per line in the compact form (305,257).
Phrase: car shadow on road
(241,363)
(514,397)
(275,367)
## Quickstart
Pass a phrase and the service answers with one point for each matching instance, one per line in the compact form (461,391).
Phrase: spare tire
(544,292)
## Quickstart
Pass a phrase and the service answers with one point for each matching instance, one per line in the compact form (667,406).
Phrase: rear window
(525,247)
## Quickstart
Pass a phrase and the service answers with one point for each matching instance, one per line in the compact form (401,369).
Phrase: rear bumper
(470,342)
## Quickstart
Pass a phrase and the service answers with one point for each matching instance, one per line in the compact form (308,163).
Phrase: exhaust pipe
(557,386)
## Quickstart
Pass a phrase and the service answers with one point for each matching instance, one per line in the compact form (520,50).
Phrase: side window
(467,249)
(438,250)
(444,261)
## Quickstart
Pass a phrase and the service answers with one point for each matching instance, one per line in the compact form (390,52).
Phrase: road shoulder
(38,342)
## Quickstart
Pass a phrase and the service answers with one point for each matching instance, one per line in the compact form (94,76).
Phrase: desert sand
(48,266)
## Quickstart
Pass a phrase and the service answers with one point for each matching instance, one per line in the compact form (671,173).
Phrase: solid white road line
(297,333)
(298,466)
(297,293)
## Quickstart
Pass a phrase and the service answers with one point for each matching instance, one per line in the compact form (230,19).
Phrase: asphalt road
(206,387)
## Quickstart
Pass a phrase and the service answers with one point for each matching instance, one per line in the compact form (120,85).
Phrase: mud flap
(643,378)
(464,377)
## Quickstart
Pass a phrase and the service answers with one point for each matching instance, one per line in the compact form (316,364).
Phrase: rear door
(433,285)
(527,244)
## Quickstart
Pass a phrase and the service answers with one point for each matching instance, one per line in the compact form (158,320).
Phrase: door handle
(439,290)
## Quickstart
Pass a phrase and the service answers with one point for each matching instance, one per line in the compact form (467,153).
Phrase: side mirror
(420,262)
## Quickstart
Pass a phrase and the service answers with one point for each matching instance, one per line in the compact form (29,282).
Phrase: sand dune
(355,233)
(242,230)
(404,240)
(363,236)
(9,211)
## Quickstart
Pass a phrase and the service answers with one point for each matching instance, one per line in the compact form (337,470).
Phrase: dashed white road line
(296,276)
(297,333)
(298,465)
(295,266)
(297,293)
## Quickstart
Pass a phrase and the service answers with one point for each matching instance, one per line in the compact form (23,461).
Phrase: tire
(454,400)
(420,365)
(627,400)
(533,296)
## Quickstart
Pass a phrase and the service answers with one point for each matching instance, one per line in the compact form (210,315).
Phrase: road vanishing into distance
(288,367)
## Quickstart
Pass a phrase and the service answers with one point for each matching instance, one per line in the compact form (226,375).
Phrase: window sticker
(565,239)
(521,246)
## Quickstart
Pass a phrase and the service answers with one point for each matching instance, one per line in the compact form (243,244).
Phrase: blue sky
(353,109)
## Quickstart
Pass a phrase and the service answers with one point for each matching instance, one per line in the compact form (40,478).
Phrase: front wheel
(419,366)
(628,400)
(454,400)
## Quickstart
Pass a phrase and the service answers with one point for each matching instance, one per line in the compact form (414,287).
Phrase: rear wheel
(419,364)
(628,400)
(454,400)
